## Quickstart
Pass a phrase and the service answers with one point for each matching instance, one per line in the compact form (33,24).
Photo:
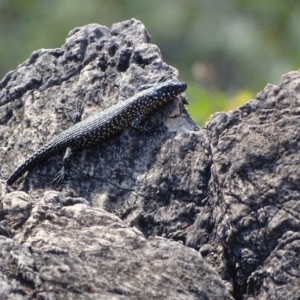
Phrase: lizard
(102,126)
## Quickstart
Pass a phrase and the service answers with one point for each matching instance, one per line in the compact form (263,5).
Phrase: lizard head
(169,89)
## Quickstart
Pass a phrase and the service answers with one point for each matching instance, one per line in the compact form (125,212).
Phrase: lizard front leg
(150,128)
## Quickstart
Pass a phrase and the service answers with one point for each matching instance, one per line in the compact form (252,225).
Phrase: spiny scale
(102,126)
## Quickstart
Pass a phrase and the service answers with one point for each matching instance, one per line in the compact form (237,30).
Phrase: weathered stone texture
(185,213)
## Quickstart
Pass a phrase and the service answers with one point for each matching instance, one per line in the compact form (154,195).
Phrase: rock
(71,243)
(254,193)
(185,213)
(80,252)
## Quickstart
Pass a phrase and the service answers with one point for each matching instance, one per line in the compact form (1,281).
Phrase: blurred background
(226,51)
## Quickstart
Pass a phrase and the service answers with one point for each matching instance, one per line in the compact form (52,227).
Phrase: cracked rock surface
(183,213)
(80,252)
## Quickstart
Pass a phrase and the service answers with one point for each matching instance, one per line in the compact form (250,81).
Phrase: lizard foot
(60,177)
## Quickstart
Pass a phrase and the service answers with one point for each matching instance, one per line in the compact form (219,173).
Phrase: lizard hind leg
(150,128)
(63,173)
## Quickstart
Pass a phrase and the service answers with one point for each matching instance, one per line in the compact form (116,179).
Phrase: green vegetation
(227,50)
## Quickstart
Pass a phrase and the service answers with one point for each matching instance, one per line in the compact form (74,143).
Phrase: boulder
(181,213)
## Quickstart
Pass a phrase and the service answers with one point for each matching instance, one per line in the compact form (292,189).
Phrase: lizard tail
(37,157)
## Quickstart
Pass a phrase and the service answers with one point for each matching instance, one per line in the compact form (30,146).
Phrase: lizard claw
(60,177)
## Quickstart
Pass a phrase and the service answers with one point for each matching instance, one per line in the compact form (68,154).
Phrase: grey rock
(254,190)
(185,213)
(80,252)
(106,233)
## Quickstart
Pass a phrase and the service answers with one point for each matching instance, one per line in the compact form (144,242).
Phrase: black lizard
(102,126)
